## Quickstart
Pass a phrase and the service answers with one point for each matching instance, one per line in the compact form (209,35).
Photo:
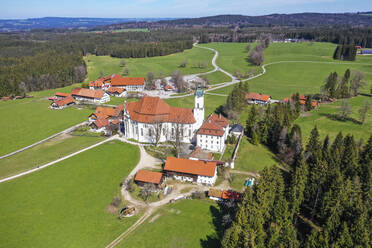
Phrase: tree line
(44,59)
(322,200)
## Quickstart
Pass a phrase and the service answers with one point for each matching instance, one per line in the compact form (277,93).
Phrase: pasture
(187,223)
(43,153)
(64,205)
(27,121)
(139,67)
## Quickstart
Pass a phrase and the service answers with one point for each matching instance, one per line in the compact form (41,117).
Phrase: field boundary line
(43,140)
(55,161)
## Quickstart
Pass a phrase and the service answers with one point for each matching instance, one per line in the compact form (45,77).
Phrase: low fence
(236,150)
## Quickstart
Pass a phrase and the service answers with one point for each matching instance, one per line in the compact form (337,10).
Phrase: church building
(151,120)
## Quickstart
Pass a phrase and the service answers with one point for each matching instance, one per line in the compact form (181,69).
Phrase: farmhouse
(213,133)
(152,120)
(96,85)
(63,103)
(258,98)
(105,119)
(145,177)
(93,96)
(197,171)
(60,95)
(117,92)
(302,100)
(129,83)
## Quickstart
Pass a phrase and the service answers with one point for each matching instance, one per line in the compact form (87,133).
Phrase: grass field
(182,224)
(233,56)
(323,118)
(217,77)
(164,65)
(46,152)
(27,121)
(65,205)
(253,158)
(281,80)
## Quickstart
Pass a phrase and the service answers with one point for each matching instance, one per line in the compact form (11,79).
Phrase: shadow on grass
(363,94)
(223,215)
(335,117)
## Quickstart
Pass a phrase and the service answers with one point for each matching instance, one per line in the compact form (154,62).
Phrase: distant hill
(298,20)
(65,23)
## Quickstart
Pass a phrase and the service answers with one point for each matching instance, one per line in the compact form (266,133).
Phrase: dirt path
(253,174)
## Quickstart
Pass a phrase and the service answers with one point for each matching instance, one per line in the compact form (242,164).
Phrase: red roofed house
(201,172)
(94,96)
(63,103)
(145,176)
(60,95)
(152,120)
(129,83)
(115,91)
(302,99)
(213,133)
(105,119)
(254,98)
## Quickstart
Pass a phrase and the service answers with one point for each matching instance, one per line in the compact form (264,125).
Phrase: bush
(198,195)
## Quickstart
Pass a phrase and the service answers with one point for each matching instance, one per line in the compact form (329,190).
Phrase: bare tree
(356,82)
(122,63)
(158,129)
(146,191)
(150,81)
(248,47)
(345,110)
(177,78)
(257,55)
(363,111)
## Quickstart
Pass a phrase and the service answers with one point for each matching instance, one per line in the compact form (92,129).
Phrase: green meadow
(253,158)
(187,223)
(43,153)
(325,118)
(27,121)
(64,205)
(139,67)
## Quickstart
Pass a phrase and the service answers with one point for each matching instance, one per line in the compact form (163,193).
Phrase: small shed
(236,130)
(146,176)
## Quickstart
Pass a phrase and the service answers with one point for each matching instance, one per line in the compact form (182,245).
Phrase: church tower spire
(199,107)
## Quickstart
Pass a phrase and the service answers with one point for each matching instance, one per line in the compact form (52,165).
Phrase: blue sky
(171,8)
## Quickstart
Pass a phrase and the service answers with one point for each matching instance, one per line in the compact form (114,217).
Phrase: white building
(213,133)
(87,95)
(196,171)
(152,120)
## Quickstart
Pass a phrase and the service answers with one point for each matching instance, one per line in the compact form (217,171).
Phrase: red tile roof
(100,122)
(60,94)
(225,194)
(153,109)
(218,119)
(87,93)
(118,80)
(194,167)
(65,101)
(97,83)
(148,176)
(211,128)
(115,90)
(256,96)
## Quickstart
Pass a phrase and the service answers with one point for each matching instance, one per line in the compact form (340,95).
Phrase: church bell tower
(199,107)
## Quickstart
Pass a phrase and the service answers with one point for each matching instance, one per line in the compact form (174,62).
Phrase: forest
(320,195)
(48,59)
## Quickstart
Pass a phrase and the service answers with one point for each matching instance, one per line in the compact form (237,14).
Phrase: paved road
(41,141)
